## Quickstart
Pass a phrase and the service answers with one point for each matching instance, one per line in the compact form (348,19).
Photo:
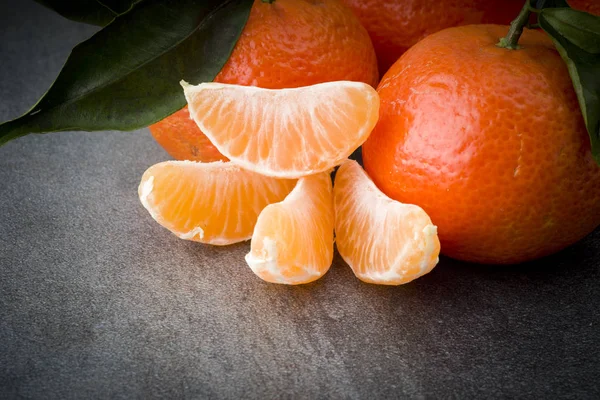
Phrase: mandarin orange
(490,142)
(396,25)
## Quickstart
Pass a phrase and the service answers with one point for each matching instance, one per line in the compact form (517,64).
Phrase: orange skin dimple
(285,44)
(489,142)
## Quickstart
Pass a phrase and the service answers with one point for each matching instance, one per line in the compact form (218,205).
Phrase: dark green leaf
(584,68)
(540,4)
(579,28)
(127,75)
(118,6)
(95,12)
(87,11)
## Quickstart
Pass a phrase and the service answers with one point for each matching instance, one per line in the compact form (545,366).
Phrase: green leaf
(95,12)
(87,11)
(540,4)
(118,6)
(574,41)
(127,75)
(579,28)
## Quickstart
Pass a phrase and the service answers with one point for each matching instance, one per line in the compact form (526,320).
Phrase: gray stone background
(98,301)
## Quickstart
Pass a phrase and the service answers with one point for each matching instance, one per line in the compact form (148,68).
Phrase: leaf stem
(511,40)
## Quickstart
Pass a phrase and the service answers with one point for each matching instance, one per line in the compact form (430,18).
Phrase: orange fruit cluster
(489,142)
(277,188)
(293,43)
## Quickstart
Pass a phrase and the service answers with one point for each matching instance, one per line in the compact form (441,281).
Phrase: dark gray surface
(98,301)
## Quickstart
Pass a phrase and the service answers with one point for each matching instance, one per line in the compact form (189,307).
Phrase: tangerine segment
(293,240)
(215,203)
(382,240)
(286,133)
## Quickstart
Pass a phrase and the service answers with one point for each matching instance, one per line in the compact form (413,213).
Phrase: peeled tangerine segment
(293,240)
(382,240)
(215,203)
(286,133)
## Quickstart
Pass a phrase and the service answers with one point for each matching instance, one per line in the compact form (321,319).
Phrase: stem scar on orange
(285,44)
(490,142)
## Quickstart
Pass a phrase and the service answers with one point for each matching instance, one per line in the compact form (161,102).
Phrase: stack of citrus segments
(277,189)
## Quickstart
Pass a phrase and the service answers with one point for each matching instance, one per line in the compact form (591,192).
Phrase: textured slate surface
(97,301)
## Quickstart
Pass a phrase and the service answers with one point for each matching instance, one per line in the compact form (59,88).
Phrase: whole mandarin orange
(396,25)
(490,142)
(285,44)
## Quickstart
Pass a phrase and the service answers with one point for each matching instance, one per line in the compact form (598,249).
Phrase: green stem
(511,40)
(268,1)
